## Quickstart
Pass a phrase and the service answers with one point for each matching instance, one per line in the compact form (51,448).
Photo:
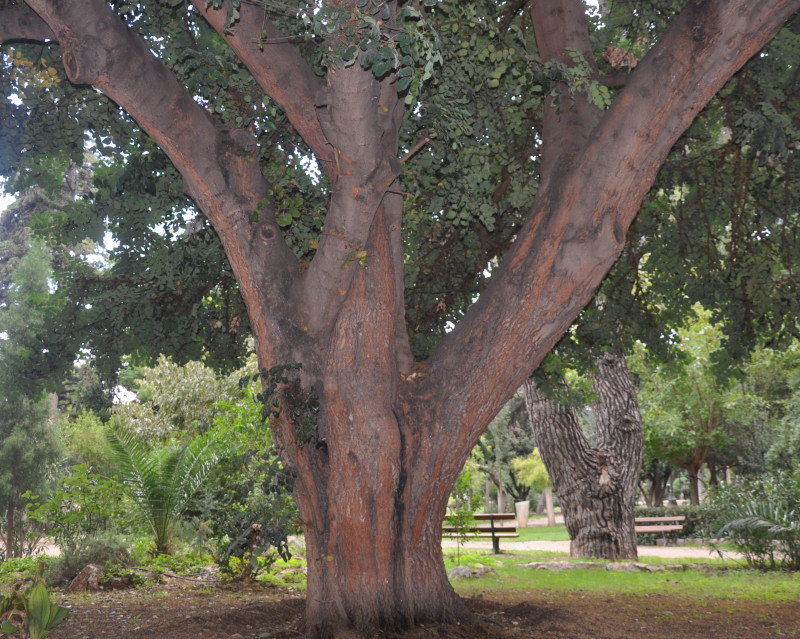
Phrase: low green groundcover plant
(20,569)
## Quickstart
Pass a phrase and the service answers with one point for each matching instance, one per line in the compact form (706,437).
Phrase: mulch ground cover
(179,611)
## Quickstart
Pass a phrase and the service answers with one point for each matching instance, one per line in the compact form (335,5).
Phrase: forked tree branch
(279,69)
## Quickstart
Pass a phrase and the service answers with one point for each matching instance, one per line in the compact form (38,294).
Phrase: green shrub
(761,517)
(184,562)
(246,507)
(102,550)
(30,610)
(82,505)
(21,568)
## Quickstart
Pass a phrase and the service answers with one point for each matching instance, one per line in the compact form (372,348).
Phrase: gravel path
(671,552)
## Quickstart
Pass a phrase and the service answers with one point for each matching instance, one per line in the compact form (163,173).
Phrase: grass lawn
(543,533)
(706,579)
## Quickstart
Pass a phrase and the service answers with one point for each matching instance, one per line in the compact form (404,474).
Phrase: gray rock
(459,572)
(465,572)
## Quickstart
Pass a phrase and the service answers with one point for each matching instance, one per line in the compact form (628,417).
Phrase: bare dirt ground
(180,611)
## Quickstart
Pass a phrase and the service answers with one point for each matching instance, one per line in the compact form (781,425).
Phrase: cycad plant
(767,531)
(163,481)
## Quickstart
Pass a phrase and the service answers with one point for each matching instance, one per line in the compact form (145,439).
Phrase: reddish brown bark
(390,439)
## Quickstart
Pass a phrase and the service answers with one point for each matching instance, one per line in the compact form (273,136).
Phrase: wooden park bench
(659,525)
(492,526)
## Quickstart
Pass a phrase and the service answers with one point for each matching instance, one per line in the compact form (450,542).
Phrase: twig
(422,142)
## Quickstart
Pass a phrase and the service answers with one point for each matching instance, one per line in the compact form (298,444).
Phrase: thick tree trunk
(372,506)
(595,486)
(693,465)
(368,568)
(374,469)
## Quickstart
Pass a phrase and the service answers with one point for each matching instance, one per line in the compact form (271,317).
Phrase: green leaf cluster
(81,505)
(30,611)
(532,471)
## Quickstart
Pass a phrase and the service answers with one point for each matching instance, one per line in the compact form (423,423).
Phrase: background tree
(596,485)
(377,439)
(507,437)
(784,454)
(181,402)
(533,473)
(699,239)
(755,406)
(683,403)
(29,445)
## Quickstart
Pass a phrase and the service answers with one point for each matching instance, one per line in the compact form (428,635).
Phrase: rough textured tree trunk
(596,486)
(378,441)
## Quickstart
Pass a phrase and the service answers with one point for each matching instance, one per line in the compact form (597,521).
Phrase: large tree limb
(560,26)
(279,69)
(577,226)
(17,22)
(361,117)
(217,165)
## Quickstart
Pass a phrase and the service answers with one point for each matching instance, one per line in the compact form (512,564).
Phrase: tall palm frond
(161,482)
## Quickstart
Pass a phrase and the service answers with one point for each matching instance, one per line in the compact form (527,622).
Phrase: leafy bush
(30,610)
(253,519)
(82,505)
(247,506)
(21,568)
(86,440)
(102,550)
(762,518)
(189,561)
(286,573)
